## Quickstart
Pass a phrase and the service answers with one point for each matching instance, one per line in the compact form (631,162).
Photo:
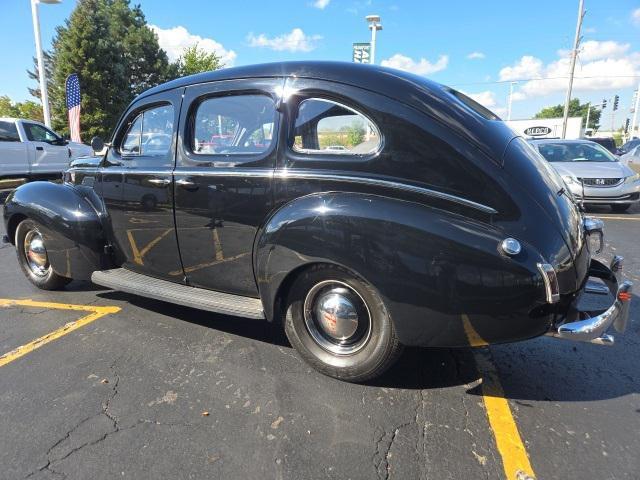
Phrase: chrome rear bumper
(591,325)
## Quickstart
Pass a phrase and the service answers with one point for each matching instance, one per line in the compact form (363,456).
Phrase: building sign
(537,131)
(362,53)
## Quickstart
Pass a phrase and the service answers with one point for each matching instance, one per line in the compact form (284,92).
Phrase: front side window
(327,127)
(150,133)
(234,125)
(38,133)
(9,132)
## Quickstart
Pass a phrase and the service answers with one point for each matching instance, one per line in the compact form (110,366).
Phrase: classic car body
(435,226)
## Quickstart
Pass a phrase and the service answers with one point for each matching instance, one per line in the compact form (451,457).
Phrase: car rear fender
(430,266)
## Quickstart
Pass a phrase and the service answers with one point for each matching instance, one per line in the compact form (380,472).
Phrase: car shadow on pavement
(542,369)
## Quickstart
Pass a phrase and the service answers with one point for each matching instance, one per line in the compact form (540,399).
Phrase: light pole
(635,112)
(511,85)
(44,97)
(586,125)
(374,26)
(574,56)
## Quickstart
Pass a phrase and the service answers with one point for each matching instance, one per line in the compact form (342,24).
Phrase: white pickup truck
(30,149)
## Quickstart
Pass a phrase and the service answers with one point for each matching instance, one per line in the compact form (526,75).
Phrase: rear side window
(327,127)
(150,133)
(234,125)
(9,132)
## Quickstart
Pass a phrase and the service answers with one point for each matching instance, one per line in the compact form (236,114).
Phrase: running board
(150,287)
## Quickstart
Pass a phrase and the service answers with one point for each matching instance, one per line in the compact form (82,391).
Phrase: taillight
(551,287)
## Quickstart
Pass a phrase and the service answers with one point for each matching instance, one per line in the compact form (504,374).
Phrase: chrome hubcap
(36,253)
(337,317)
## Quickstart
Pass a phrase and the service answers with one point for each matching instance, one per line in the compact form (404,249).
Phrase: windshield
(575,152)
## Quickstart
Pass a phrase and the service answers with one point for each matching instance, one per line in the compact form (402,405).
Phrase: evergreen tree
(196,60)
(116,56)
(576,109)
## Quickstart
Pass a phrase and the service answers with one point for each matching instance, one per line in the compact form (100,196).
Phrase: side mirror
(97,144)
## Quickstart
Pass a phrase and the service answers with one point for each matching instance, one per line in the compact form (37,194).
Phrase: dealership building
(547,127)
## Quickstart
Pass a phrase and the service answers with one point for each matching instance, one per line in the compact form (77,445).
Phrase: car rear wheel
(617,207)
(34,259)
(339,324)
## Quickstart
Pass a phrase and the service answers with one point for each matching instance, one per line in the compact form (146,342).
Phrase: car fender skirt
(70,226)
(438,273)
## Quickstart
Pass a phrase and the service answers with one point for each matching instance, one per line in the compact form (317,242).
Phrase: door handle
(40,148)
(187,184)
(160,181)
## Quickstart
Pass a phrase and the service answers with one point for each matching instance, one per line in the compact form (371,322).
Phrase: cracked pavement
(126,397)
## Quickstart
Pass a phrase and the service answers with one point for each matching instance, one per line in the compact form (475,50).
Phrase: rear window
(9,132)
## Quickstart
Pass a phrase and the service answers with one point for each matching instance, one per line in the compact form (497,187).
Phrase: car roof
(425,95)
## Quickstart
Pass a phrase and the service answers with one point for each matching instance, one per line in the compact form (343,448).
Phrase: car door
(137,187)
(13,152)
(223,179)
(51,152)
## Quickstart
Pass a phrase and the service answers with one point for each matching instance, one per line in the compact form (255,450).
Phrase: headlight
(632,178)
(568,179)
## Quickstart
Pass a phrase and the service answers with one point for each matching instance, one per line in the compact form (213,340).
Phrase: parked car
(447,230)
(630,145)
(632,157)
(607,142)
(30,149)
(592,174)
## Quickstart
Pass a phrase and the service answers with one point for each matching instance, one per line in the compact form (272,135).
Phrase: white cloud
(175,40)
(526,67)
(594,50)
(321,4)
(476,56)
(486,98)
(635,17)
(294,41)
(603,66)
(421,67)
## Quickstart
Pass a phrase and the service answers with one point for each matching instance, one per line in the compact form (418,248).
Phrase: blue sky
(510,40)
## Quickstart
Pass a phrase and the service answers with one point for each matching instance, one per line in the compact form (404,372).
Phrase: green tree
(116,56)
(355,135)
(576,109)
(27,109)
(197,60)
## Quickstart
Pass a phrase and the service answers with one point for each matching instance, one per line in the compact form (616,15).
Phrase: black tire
(47,279)
(378,347)
(620,207)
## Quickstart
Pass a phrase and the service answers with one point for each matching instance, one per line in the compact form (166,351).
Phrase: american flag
(73,106)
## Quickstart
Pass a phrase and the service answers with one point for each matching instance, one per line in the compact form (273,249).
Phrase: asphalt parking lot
(100,384)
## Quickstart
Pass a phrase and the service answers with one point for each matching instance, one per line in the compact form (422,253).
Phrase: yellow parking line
(96,313)
(515,460)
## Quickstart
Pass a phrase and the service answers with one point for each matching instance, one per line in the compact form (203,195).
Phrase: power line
(543,79)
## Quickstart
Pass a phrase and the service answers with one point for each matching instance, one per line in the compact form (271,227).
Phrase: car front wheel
(34,259)
(339,324)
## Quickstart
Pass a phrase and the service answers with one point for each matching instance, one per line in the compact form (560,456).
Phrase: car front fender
(70,225)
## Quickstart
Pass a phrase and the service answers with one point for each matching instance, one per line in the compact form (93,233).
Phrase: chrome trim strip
(388,184)
(284,174)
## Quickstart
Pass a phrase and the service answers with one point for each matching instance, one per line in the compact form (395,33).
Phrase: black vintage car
(360,208)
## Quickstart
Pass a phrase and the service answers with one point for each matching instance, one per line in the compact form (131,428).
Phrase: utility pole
(586,125)
(511,85)
(44,97)
(574,56)
(635,112)
(374,26)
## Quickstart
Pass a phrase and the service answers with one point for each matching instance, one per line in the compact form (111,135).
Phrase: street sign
(362,52)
